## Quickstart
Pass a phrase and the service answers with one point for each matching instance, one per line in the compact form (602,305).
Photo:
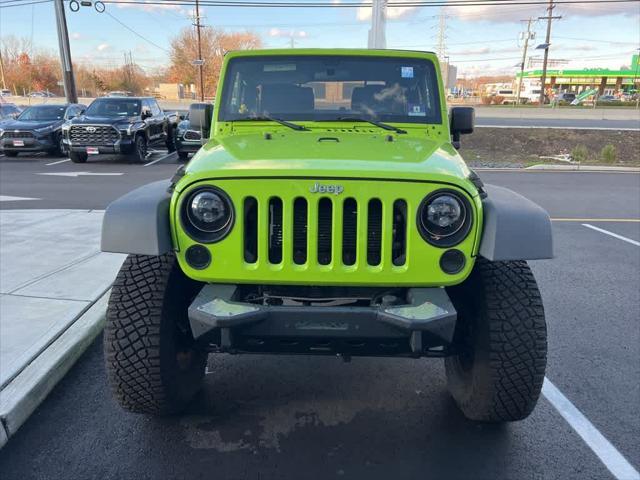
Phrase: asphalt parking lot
(268,417)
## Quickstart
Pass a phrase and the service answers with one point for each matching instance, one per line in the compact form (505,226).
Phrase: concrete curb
(560,169)
(20,398)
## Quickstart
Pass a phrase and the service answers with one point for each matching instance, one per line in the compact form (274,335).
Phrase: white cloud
(154,7)
(502,13)
(103,47)
(276,32)
(76,36)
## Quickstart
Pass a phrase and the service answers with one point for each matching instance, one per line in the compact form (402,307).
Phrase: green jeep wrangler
(328,214)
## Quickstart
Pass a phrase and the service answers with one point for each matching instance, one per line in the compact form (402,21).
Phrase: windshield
(328,87)
(6,110)
(114,107)
(48,112)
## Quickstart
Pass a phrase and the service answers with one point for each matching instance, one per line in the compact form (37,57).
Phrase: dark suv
(122,126)
(37,129)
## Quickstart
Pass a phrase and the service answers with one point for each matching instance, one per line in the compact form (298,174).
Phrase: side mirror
(145,114)
(462,120)
(201,116)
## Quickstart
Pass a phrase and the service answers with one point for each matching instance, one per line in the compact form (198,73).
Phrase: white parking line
(605,451)
(9,198)
(615,235)
(158,160)
(59,161)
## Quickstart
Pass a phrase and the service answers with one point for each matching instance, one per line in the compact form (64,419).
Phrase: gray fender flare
(138,222)
(514,228)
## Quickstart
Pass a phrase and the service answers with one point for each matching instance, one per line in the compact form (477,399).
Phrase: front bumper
(413,330)
(190,146)
(124,146)
(29,144)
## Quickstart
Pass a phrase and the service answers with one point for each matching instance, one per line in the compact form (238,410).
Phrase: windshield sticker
(416,111)
(406,72)
(280,67)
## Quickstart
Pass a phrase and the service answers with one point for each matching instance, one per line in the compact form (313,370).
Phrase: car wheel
(140,150)
(151,358)
(501,340)
(9,153)
(60,150)
(183,156)
(78,157)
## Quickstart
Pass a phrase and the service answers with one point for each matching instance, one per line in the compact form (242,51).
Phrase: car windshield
(43,112)
(114,107)
(8,110)
(322,88)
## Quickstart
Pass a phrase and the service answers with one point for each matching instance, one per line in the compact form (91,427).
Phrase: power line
(137,34)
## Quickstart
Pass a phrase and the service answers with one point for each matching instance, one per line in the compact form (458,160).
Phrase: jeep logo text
(335,189)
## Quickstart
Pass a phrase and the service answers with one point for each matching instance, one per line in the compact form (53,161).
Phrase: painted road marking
(582,220)
(614,235)
(559,127)
(59,161)
(604,450)
(78,174)
(158,160)
(9,198)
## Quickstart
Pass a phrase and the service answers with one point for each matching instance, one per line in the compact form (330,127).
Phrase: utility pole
(198,26)
(377,33)
(4,83)
(65,53)
(547,42)
(524,57)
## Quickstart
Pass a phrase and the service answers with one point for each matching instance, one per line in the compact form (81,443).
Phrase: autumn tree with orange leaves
(215,43)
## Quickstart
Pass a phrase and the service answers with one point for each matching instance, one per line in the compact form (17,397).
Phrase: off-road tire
(501,332)
(140,149)
(183,156)
(151,359)
(10,153)
(78,157)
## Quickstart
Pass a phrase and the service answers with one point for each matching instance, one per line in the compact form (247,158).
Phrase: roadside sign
(584,95)
(197,62)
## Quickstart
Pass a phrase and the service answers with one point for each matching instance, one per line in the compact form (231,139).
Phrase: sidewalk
(52,273)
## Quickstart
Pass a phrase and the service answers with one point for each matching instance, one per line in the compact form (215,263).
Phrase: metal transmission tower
(377,33)
(65,53)
(547,44)
(441,48)
(529,35)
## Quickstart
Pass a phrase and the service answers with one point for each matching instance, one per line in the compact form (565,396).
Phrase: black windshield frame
(421,79)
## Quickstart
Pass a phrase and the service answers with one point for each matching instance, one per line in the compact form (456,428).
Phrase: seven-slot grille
(325,231)
(19,134)
(93,135)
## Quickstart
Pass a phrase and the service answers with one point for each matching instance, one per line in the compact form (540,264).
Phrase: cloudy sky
(479,39)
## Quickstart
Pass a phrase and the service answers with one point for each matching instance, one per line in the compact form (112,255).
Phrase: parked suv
(37,129)
(120,125)
(330,213)
(189,140)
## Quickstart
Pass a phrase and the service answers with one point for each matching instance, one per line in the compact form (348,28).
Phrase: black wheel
(502,339)
(140,149)
(78,157)
(152,362)
(170,143)
(10,153)
(60,150)
(184,156)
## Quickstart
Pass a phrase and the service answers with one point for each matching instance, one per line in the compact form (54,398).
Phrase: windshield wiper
(384,126)
(268,118)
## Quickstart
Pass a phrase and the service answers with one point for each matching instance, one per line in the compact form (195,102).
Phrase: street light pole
(200,63)
(547,42)
(65,53)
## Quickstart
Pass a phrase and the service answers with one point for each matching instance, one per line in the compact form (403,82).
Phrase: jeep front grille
(93,135)
(19,134)
(327,230)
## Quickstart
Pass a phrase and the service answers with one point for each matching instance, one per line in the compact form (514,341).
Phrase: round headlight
(208,213)
(444,218)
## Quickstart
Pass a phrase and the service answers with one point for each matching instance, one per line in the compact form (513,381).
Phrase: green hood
(363,153)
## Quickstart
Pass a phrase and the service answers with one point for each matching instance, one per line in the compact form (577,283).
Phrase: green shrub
(579,153)
(609,154)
